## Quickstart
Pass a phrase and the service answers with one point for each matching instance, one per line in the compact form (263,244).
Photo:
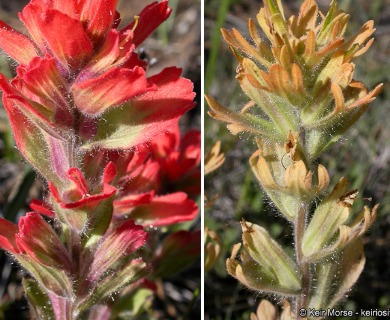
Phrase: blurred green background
(363,156)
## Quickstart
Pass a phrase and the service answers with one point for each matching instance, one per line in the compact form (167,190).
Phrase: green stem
(192,303)
(215,42)
(300,226)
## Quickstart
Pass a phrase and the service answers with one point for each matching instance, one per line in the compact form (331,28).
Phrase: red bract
(42,208)
(7,236)
(165,210)
(123,241)
(152,192)
(179,159)
(141,197)
(153,178)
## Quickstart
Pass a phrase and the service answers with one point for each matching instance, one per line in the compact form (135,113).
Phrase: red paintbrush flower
(89,88)
(82,108)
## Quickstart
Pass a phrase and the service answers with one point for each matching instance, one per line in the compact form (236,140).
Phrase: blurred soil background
(363,156)
(175,43)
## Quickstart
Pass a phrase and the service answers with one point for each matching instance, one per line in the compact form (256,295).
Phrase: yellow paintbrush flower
(298,73)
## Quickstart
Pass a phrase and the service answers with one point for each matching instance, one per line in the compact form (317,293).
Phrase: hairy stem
(299,229)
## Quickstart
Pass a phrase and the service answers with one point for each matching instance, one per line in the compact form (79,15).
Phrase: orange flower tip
(378,89)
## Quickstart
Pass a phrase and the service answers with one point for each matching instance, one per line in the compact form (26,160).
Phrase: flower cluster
(105,137)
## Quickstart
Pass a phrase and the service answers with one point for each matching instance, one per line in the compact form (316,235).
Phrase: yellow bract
(330,220)
(264,264)
(212,248)
(282,172)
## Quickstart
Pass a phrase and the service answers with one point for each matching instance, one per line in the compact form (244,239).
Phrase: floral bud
(330,218)
(264,265)
(37,239)
(212,248)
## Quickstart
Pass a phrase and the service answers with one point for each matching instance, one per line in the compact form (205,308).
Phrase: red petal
(30,16)
(67,7)
(132,61)
(33,141)
(77,177)
(78,195)
(90,201)
(126,52)
(42,208)
(143,181)
(190,144)
(16,44)
(32,230)
(178,166)
(35,112)
(147,115)
(7,236)
(159,110)
(54,192)
(165,143)
(98,17)
(149,19)
(112,88)
(66,38)
(42,82)
(123,205)
(165,210)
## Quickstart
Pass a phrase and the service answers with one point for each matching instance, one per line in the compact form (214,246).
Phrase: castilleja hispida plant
(298,76)
(104,136)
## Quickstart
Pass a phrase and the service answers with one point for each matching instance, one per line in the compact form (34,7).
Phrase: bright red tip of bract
(16,44)
(98,17)
(149,19)
(95,96)
(56,29)
(42,208)
(51,252)
(165,210)
(8,230)
(123,241)
(27,239)
(179,158)
(143,117)
(79,195)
